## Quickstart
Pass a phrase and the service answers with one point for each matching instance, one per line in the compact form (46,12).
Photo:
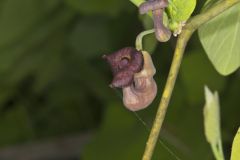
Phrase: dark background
(55,103)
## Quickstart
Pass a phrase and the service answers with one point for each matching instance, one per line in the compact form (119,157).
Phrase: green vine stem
(139,44)
(193,24)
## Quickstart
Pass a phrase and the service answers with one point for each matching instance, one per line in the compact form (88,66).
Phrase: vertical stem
(177,59)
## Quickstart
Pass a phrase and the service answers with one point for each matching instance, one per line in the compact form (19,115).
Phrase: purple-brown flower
(133,71)
(124,64)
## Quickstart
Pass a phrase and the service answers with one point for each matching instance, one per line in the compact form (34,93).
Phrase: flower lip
(124,64)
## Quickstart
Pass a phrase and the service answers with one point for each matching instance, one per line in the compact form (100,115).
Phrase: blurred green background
(55,103)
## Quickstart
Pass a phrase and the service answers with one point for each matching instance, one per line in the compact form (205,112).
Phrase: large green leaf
(220,38)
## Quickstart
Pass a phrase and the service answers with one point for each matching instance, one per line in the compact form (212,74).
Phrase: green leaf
(212,123)
(179,12)
(236,147)
(220,38)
